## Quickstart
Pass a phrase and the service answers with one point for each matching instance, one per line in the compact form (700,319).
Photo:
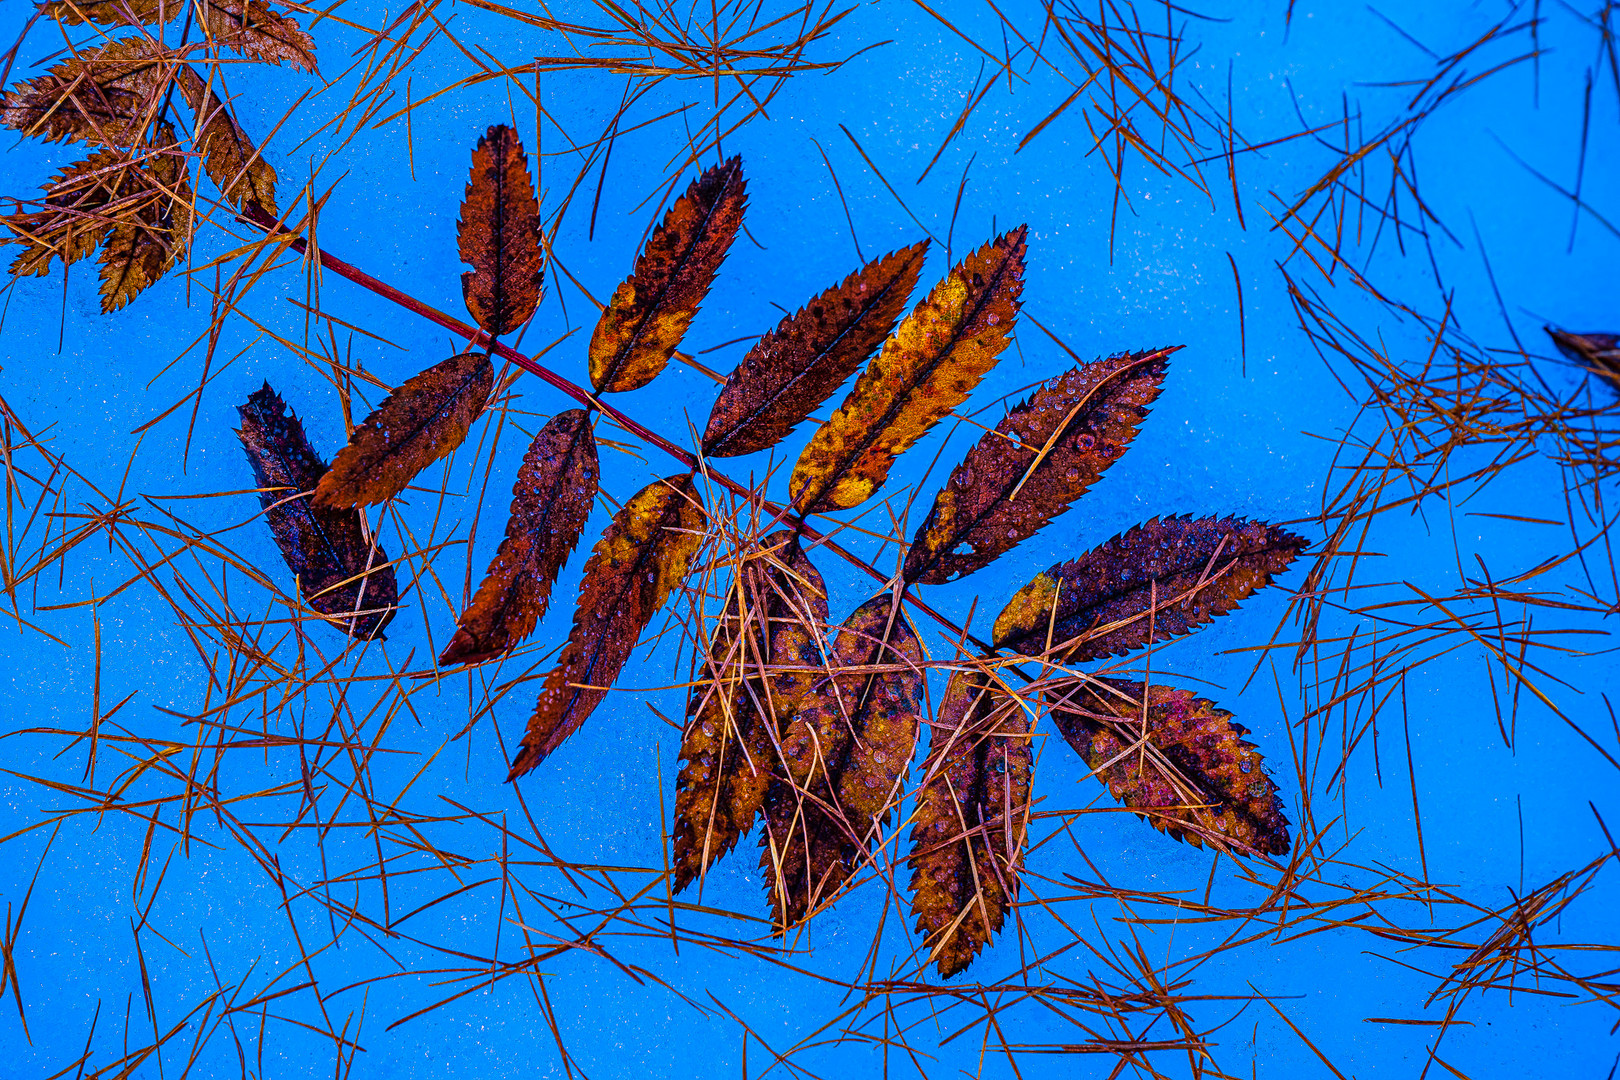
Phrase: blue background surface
(1252,434)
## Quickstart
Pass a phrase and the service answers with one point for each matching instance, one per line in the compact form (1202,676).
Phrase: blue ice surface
(1253,435)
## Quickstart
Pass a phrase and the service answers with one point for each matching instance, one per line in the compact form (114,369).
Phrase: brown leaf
(248,27)
(150,235)
(967,843)
(1175,574)
(639,561)
(930,365)
(1043,456)
(797,366)
(419,423)
(234,164)
(341,573)
(82,204)
(258,32)
(1175,759)
(844,757)
(1598,353)
(554,493)
(114,12)
(104,95)
(499,235)
(643,323)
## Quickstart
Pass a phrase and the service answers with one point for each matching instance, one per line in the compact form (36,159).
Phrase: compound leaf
(774,618)
(643,323)
(341,571)
(1171,576)
(930,365)
(793,369)
(1176,760)
(844,757)
(499,235)
(554,493)
(641,558)
(967,841)
(1043,456)
(419,423)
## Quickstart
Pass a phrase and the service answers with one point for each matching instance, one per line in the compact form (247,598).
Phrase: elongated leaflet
(967,838)
(641,558)
(797,366)
(930,365)
(1175,759)
(419,423)
(340,571)
(844,756)
(1172,575)
(774,618)
(554,493)
(649,313)
(499,235)
(1044,455)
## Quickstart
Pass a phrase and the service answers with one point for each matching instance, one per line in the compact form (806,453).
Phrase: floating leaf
(150,235)
(797,366)
(1598,353)
(248,27)
(643,555)
(258,32)
(234,164)
(775,614)
(105,95)
(643,323)
(967,843)
(555,490)
(844,756)
(1175,574)
(930,365)
(341,573)
(82,204)
(419,423)
(1175,759)
(499,235)
(1044,455)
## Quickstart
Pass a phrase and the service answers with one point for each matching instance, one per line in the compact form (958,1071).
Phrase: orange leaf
(930,365)
(644,554)
(555,490)
(643,323)
(419,423)
(499,235)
